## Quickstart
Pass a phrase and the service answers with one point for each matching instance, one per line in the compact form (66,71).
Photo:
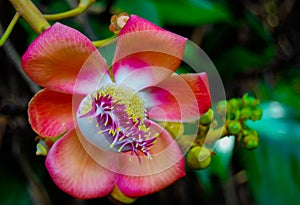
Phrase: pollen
(119,112)
(135,106)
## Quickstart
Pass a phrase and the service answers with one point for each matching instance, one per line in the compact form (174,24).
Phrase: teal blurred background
(255,46)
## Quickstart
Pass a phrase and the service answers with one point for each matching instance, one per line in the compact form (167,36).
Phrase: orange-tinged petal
(179,98)
(147,51)
(56,57)
(75,172)
(50,113)
(138,186)
(200,86)
(136,23)
(165,153)
(151,175)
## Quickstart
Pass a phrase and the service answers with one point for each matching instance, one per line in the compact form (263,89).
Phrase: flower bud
(44,144)
(249,101)
(198,157)
(251,141)
(207,117)
(245,113)
(117,22)
(234,104)
(41,148)
(256,114)
(117,195)
(234,127)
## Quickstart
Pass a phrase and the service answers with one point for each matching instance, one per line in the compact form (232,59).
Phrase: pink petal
(109,159)
(92,75)
(146,53)
(126,163)
(152,175)
(75,172)
(136,23)
(178,98)
(137,186)
(56,57)
(50,113)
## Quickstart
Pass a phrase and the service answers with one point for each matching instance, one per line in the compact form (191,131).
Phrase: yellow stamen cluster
(119,114)
(135,107)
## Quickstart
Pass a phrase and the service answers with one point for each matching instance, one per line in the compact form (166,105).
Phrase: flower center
(118,115)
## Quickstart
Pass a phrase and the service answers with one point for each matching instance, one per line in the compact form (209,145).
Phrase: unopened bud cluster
(234,113)
(238,111)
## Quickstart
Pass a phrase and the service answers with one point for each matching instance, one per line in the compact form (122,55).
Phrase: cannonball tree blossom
(106,116)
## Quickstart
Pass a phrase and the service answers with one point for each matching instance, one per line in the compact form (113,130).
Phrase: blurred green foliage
(273,169)
(12,186)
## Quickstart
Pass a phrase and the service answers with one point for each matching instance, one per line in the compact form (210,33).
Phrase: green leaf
(258,27)
(273,169)
(286,88)
(286,91)
(101,29)
(56,7)
(192,12)
(239,59)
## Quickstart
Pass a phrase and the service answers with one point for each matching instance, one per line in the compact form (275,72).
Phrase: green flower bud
(117,196)
(256,114)
(234,127)
(207,117)
(198,157)
(251,141)
(41,148)
(249,101)
(245,113)
(44,144)
(234,104)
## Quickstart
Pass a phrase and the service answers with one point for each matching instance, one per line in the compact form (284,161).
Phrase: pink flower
(106,115)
